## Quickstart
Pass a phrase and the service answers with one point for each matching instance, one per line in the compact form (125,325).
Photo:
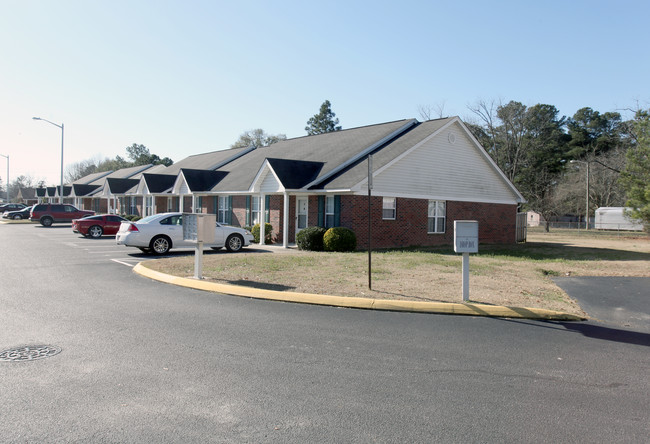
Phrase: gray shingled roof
(91,178)
(331,149)
(204,161)
(358,172)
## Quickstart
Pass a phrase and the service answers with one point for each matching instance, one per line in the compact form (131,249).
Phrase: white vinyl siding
(389,208)
(439,169)
(437,216)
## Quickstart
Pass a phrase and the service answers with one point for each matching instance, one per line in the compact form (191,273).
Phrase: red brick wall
(496,222)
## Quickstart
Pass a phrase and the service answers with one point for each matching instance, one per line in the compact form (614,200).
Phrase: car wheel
(160,244)
(95,231)
(234,243)
(17,217)
(46,221)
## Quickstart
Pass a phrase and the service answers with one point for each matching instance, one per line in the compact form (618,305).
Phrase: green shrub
(311,238)
(339,239)
(268,233)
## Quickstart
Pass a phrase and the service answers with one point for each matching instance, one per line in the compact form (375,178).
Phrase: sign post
(199,228)
(369,221)
(466,242)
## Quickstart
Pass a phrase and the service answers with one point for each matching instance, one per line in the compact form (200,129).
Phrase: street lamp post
(586,162)
(59,126)
(7,180)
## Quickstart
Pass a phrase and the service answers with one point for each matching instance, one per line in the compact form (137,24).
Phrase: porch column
(285,222)
(262,218)
(193,203)
(180,203)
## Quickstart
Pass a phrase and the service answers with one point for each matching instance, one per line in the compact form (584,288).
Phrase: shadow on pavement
(591,330)
(608,333)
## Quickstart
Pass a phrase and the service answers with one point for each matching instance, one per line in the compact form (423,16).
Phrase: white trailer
(614,218)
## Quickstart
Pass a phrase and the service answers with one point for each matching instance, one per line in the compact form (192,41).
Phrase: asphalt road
(145,362)
(620,301)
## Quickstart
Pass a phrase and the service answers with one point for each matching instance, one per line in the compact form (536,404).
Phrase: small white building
(614,218)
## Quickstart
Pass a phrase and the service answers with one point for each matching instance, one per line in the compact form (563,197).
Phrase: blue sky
(185,77)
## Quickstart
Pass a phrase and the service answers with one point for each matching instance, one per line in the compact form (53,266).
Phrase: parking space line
(123,263)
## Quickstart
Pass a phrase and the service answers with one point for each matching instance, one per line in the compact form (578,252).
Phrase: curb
(468,309)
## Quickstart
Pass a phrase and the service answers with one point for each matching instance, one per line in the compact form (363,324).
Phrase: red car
(47,214)
(96,226)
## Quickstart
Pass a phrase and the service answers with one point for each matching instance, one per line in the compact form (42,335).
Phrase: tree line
(545,155)
(542,153)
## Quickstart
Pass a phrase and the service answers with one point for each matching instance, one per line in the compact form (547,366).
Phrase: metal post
(61,196)
(465,277)
(198,260)
(587,203)
(369,221)
(7,179)
(62,128)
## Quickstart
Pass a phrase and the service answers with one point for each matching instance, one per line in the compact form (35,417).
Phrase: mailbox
(466,236)
(199,227)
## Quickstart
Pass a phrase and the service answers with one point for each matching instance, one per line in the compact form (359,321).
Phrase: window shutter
(267,209)
(229,212)
(321,211)
(248,211)
(337,211)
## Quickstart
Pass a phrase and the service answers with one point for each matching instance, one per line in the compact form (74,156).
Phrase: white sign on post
(466,242)
(199,228)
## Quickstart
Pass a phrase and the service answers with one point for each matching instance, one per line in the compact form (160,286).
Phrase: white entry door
(302,208)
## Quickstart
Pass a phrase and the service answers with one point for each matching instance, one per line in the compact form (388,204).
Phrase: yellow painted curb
(364,303)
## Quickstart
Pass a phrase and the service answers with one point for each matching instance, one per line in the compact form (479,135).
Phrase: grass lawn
(516,275)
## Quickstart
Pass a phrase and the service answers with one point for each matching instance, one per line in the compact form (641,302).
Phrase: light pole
(7,157)
(59,126)
(586,162)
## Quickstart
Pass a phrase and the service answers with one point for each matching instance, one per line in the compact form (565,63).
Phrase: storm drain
(29,353)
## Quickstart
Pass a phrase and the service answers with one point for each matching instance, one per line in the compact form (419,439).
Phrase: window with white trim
(198,201)
(133,205)
(437,216)
(222,211)
(255,210)
(170,204)
(389,208)
(330,209)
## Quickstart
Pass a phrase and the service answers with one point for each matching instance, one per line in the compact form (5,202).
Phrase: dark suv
(47,214)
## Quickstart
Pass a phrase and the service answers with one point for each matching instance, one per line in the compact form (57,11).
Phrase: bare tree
(428,112)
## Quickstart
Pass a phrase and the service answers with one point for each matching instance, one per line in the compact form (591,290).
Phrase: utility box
(466,236)
(199,227)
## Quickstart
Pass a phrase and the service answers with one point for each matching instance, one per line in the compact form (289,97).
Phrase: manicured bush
(268,233)
(339,239)
(311,238)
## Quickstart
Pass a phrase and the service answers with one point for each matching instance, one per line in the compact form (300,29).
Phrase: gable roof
(437,159)
(156,183)
(82,190)
(206,161)
(91,177)
(333,150)
(295,174)
(118,186)
(198,180)
(358,171)
(27,193)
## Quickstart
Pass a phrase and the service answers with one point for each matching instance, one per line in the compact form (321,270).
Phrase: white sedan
(160,233)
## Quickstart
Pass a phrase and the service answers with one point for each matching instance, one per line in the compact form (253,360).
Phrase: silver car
(160,233)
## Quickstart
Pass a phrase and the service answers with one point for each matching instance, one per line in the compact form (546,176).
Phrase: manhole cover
(29,353)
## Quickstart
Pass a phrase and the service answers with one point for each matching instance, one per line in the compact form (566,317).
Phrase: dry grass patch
(517,275)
